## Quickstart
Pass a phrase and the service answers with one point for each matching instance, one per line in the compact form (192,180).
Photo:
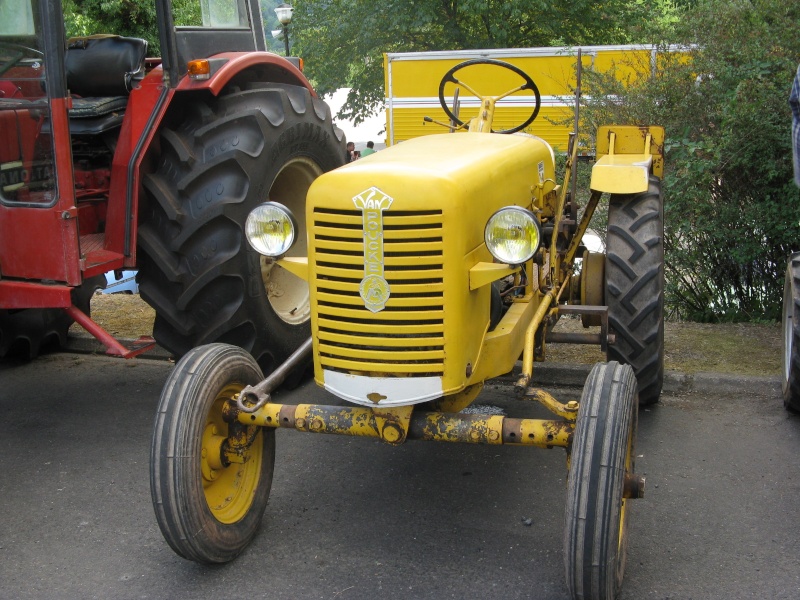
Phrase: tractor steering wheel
(449,77)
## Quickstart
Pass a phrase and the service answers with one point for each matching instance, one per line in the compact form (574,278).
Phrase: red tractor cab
(113,160)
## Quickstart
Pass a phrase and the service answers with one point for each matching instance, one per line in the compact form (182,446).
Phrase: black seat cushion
(104,65)
(93,116)
(88,108)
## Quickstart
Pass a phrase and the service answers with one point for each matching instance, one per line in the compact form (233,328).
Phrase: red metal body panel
(22,82)
(142,102)
(42,243)
(9,90)
(20,294)
(18,129)
(19,132)
(238,62)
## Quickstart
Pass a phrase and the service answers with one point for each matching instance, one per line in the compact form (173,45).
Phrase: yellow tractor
(425,270)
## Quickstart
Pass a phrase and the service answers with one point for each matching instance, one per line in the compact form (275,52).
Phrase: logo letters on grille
(374,289)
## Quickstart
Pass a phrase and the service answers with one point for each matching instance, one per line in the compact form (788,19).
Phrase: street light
(284,12)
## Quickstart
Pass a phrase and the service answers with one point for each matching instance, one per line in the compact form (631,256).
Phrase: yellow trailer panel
(412,86)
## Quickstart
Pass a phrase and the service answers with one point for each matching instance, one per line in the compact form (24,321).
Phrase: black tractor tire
(634,288)
(790,381)
(602,453)
(218,158)
(207,510)
(26,333)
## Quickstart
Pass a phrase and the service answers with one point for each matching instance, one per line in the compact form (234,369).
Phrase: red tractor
(111,160)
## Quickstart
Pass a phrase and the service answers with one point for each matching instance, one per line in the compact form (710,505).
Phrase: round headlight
(271,229)
(513,235)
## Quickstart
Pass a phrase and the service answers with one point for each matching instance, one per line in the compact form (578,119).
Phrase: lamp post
(284,12)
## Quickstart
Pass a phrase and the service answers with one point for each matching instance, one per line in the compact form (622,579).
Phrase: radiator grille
(406,338)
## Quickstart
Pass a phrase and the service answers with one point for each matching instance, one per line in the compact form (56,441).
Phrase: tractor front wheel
(207,506)
(602,454)
(635,286)
(790,384)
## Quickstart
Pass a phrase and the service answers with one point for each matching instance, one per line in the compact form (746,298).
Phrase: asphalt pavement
(357,519)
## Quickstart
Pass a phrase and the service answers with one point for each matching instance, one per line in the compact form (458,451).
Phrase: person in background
(794,102)
(350,154)
(370,149)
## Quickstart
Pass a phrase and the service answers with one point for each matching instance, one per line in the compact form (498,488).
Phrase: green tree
(732,211)
(136,18)
(343,41)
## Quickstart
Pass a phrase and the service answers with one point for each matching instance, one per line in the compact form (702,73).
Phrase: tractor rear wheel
(25,333)
(217,159)
(635,286)
(790,383)
(602,454)
(208,508)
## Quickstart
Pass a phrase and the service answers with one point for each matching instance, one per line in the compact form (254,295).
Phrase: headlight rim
(286,212)
(535,221)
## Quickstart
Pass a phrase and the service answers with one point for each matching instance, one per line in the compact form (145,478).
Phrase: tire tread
(181,512)
(197,270)
(635,286)
(606,418)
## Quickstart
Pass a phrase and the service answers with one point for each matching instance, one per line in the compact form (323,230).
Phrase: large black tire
(217,159)
(595,534)
(207,512)
(790,383)
(635,286)
(26,333)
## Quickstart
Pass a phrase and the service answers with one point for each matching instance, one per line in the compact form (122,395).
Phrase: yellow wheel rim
(229,491)
(288,294)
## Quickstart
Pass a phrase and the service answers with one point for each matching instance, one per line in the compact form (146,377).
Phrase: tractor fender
(263,66)
(621,173)
(626,157)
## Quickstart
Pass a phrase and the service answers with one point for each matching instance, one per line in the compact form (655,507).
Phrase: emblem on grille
(374,288)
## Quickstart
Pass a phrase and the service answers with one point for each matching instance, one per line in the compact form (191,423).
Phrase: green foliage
(134,18)
(732,213)
(122,17)
(137,18)
(343,41)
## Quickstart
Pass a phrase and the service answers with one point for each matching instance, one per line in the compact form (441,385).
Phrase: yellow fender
(626,157)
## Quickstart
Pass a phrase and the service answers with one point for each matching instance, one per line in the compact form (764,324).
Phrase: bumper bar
(434,426)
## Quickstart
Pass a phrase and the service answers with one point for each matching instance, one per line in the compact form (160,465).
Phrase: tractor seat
(101,72)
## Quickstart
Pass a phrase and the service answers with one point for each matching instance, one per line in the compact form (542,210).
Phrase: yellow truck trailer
(412,86)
